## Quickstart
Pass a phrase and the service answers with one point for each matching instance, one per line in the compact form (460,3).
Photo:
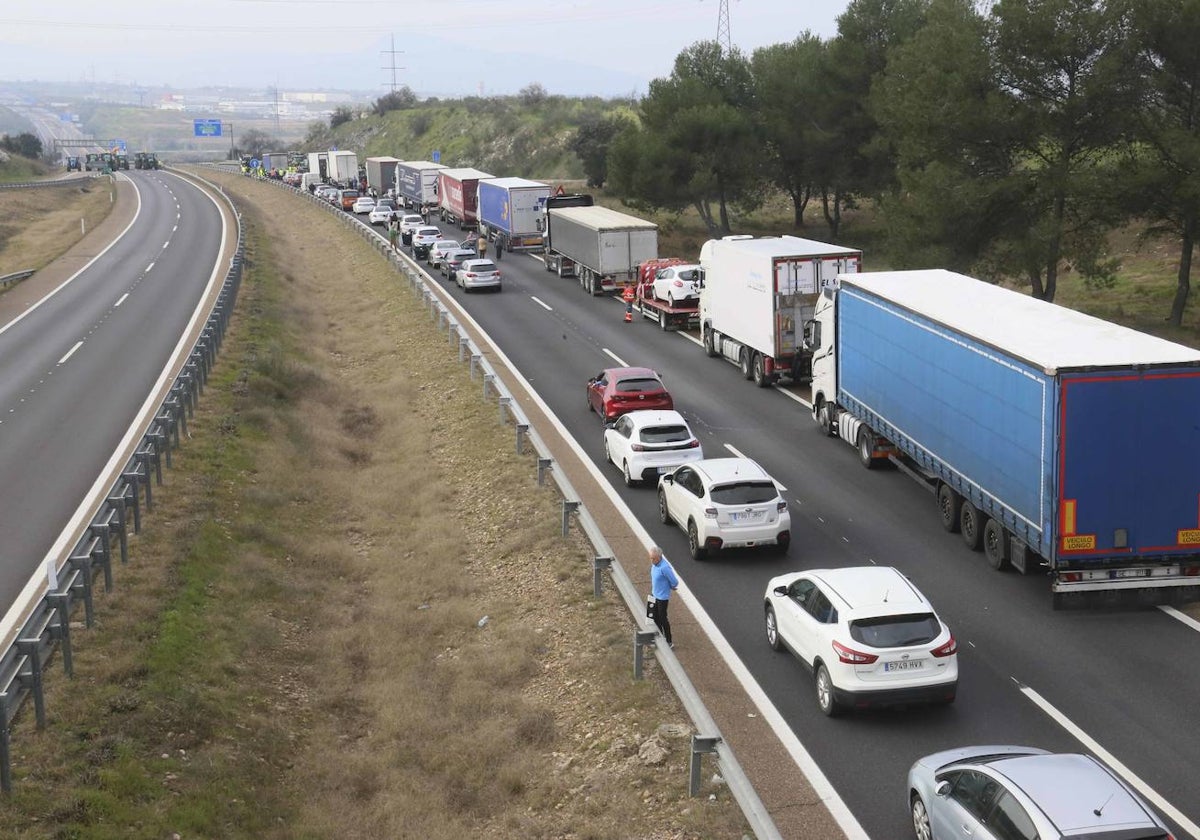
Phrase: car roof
(655,417)
(630,373)
(429,229)
(872,590)
(1069,788)
(725,470)
(477,262)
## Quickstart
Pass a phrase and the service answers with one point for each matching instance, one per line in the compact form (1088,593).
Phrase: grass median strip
(351,613)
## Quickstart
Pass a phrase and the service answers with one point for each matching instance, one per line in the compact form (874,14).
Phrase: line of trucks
(1049,440)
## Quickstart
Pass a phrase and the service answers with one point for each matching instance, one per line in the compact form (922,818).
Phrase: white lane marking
(690,338)
(175,228)
(1178,616)
(149,267)
(538,257)
(613,355)
(1111,760)
(137,212)
(121,300)
(821,785)
(70,353)
(741,454)
(542,303)
(792,396)
(165,244)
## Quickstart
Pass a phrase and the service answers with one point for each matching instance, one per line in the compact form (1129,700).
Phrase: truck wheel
(559,266)
(747,363)
(866,445)
(710,343)
(662,320)
(995,543)
(824,415)
(546,264)
(970,524)
(760,371)
(949,507)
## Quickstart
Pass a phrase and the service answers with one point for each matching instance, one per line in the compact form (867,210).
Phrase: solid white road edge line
(541,303)
(807,764)
(70,352)
(613,355)
(137,212)
(1111,760)
(37,583)
(120,300)
(1178,616)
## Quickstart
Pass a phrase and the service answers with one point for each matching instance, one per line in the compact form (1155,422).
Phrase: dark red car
(615,391)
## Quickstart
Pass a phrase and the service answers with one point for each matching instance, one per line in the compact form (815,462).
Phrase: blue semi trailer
(510,212)
(1050,438)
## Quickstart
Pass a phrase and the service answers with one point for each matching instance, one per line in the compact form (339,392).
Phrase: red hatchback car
(615,391)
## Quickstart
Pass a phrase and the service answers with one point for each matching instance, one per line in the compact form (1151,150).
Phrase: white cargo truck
(343,168)
(600,246)
(756,296)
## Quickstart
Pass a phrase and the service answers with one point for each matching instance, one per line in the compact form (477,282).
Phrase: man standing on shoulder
(662,583)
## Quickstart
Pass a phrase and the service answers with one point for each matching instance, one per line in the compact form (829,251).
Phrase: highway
(1120,683)
(80,365)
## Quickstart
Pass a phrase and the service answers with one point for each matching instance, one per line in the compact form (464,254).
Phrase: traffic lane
(962,589)
(59,439)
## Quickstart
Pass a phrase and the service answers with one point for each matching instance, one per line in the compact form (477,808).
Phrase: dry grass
(297,649)
(39,225)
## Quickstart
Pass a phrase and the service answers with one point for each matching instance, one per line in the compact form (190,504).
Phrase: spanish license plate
(746,516)
(904,665)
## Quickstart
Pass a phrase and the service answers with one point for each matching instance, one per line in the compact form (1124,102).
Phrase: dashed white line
(165,244)
(149,267)
(741,454)
(70,352)
(1111,760)
(613,355)
(175,228)
(542,303)
(120,300)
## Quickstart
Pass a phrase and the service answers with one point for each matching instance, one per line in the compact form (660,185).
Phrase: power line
(393,52)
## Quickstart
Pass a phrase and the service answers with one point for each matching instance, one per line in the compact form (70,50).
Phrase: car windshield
(643,385)
(480,267)
(896,630)
(744,493)
(665,434)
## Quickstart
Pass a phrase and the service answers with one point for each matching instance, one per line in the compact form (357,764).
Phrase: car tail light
(1071,577)
(678,284)
(853,657)
(710,513)
(470,275)
(780,506)
(637,447)
(693,444)
(948,649)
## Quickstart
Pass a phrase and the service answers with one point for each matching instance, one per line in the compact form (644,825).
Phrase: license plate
(904,665)
(662,470)
(746,516)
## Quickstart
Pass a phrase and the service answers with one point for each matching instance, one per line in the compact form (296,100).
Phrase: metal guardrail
(56,182)
(708,739)
(16,277)
(46,630)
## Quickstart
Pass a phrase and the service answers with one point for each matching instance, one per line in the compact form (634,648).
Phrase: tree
(696,125)
(341,116)
(532,94)
(397,100)
(24,144)
(591,143)
(254,143)
(1166,184)
(1061,63)
(789,84)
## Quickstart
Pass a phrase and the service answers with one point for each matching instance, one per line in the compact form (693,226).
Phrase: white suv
(869,636)
(645,444)
(725,503)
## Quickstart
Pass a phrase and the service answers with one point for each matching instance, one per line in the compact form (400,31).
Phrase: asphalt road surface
(1125,681)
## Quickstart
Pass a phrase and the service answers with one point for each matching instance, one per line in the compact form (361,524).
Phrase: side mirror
(781,591)
(669,478)
(610,425)
(943,788)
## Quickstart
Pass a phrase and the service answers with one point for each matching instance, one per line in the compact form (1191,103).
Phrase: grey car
(1023,793)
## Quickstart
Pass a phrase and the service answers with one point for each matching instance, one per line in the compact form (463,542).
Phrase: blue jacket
(662,579)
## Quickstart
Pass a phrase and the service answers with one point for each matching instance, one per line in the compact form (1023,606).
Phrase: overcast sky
(445,47)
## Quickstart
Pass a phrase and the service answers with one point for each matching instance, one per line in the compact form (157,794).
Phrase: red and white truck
(757,294)
(667,312)
(458,200)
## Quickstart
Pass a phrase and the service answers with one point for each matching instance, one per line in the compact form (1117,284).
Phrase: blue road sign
(119,145)
(437,156)
(207,128)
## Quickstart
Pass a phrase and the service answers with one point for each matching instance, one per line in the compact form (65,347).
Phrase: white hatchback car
(645,444)
(677,283)
(477,274)
(380,214)
(363,204)
(423,239)
(868,635)
(438,250)
(725,503)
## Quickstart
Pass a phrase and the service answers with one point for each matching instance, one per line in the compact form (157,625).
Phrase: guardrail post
(452,332)
(543,467)
(487,380)
(5,763)
(29,648)
(100,532)
(143,459)
(522,431)
(83,564)
(641,639)
(157,441)
(131,479)
(568,508)
(701,745)
(475,359)
(118,502)
(61,601)
(463,344)
(504,402)
(599,565)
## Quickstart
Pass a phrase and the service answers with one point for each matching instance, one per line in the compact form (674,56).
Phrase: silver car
(478,274)
(1023,793)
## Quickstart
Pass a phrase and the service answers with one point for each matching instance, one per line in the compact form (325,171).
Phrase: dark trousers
(660,618)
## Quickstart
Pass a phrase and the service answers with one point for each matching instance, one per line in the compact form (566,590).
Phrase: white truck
(598,245)
(318,162)
(343,168)
(381,174)
(756,296)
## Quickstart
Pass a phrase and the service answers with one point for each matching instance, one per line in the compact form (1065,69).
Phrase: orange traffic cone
(629,315)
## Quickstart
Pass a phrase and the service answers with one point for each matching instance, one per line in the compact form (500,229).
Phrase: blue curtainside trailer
(1050,437)
(510,212)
